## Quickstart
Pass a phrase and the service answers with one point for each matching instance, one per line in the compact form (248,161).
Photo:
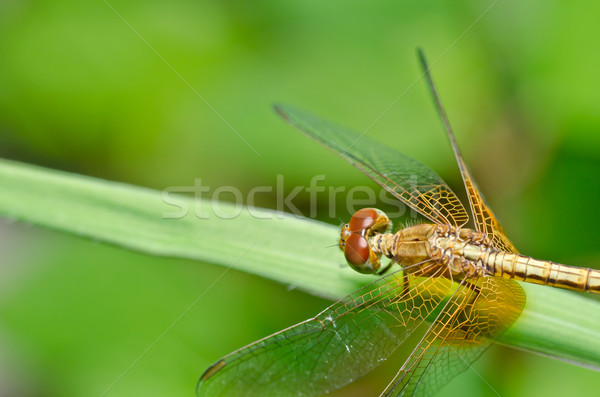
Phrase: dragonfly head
(354,239)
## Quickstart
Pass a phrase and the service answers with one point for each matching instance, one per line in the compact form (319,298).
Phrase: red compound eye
(362,219)
(356,250)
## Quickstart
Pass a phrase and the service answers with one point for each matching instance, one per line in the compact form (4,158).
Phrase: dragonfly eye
(357,253)
(369,218)
(364,224)
(362,219)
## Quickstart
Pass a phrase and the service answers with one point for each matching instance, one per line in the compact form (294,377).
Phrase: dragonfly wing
(483,217)
(485,220)
(468,324)
(342,343)
(411,181)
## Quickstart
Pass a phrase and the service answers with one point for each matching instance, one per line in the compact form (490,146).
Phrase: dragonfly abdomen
(426,248)
(525,268)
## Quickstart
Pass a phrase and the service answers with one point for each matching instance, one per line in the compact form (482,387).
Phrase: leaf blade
(273,245)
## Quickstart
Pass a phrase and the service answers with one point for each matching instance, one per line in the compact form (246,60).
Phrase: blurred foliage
(162,93)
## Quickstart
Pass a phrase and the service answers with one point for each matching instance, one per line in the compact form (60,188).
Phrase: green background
(160,94)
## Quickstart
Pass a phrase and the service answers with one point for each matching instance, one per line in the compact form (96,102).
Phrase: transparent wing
(472,319)
(417,185)
(483,217)
(342,343)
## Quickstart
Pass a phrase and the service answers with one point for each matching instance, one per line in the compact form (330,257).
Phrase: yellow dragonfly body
(458,281)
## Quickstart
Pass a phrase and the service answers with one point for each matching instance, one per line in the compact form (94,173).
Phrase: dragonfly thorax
(422,249)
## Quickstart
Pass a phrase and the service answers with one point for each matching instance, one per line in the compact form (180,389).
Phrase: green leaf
(281,247)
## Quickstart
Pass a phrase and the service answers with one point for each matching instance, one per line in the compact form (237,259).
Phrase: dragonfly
(457,282)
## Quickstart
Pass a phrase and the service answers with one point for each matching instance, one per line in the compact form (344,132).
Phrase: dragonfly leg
(473,287)
(385,269)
